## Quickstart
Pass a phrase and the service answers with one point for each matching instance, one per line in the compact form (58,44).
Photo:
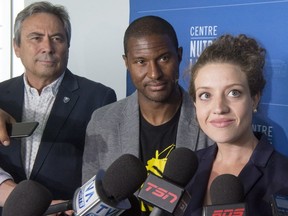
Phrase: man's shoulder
(12,81)
(117,106)
(119,109)
(88,83)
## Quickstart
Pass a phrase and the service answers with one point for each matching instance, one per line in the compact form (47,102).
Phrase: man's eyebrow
(58,34)
(41,34)
(35,33)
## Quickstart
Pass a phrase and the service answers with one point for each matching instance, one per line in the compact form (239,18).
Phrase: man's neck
(157,113)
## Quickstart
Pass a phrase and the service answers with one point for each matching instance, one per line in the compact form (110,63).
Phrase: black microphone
(168,194)
(28,198)
(59,207)
(135,209)
(227,196)
(107,192)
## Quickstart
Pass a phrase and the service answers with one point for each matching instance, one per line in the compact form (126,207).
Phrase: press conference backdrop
(197,23)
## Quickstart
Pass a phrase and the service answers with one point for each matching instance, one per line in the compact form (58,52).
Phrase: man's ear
(125,60)
(16,48)
(180,53)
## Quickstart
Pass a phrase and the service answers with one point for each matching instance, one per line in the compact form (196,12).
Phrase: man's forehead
(149,42)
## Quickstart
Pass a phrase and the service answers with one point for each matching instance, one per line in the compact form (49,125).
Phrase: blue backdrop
(198,23)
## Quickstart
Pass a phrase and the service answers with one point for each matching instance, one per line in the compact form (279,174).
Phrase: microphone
(107,192)
(28,198)
(135,209)
(279,204)
(227,195)
(168,194)
(59,207)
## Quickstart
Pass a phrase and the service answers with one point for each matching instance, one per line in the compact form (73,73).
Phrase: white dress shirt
(36,108)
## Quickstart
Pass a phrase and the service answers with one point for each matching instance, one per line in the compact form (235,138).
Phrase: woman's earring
(255,110)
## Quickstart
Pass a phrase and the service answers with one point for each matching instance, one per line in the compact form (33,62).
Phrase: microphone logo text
(229,212)
(161,192)
(81,201)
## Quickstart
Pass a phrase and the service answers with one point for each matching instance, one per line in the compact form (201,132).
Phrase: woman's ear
(256,98)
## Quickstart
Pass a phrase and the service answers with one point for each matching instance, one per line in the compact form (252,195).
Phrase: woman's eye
(234,93)
(204,96)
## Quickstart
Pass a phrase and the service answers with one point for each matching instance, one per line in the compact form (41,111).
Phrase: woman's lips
(221,123)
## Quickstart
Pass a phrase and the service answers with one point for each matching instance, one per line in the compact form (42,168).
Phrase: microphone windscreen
(124,177)
(226,189)
(180,167)
(135,207)
(28,198)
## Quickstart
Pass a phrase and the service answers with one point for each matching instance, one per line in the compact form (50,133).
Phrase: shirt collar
(52,87)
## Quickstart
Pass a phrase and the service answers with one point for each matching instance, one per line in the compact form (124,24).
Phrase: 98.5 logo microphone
(222,211)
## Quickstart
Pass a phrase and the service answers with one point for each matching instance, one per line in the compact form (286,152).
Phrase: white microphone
(107,192)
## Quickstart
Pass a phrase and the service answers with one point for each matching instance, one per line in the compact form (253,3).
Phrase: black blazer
(58,164)
(266,173)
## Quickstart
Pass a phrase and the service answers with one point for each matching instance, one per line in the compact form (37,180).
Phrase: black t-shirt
(156,143)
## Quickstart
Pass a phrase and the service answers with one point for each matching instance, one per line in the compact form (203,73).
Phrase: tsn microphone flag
(165,195)
(88,196)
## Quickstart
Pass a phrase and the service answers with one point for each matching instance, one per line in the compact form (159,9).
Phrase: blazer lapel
(198,186)
(188,130)
(62,107)
(247,179)
(258,161)
(129,128)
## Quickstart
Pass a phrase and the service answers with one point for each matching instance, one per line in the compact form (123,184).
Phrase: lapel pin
(66,99)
